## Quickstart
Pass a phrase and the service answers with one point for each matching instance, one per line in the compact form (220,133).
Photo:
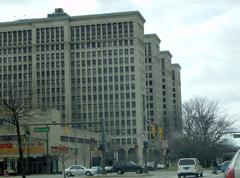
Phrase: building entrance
(39,165)
(9,164)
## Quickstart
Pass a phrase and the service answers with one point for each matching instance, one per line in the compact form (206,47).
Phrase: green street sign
(41,129)
(236,135)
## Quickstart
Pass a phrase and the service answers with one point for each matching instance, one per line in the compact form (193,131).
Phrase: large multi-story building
(163,90)
(91,68)
(153,93)
(177,99)
(153,76)
(171,95)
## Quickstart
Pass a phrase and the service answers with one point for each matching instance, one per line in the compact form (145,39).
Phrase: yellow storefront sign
(12,149)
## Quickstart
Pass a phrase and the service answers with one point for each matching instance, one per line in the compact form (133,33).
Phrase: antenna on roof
(59,10)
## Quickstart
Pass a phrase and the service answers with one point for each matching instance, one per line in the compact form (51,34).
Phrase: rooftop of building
(167,53)
(153,35)
(59,14)
(176,66)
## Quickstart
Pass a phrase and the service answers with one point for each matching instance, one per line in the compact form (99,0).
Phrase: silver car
(233,170)
(189,166)
(79,170)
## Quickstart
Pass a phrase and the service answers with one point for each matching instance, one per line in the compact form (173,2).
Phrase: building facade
(42,145)
(91,68)
(177,99)
(153,93)
(163,91)
(171,95)
(153,82)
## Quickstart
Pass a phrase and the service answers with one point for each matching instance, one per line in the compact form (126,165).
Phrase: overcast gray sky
(202,35)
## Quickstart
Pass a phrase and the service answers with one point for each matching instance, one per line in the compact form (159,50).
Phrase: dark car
(127,166)
(233,170)
(223,166)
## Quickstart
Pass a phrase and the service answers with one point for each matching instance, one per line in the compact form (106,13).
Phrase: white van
(189,166)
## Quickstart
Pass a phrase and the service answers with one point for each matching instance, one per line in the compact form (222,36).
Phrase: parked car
(223,166)
(79,170)
(189,166)
(109,169)
(233,170)
(127,166)
(98,169)
(151,165)
(11,172)
(160,166)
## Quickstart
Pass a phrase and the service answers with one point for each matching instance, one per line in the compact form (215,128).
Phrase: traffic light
(153,130)
(161,133)
(66,129)
(145,144)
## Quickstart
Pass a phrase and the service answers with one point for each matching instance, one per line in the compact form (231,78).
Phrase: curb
(121,175)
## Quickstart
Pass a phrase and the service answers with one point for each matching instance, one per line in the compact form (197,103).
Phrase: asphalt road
(151,174)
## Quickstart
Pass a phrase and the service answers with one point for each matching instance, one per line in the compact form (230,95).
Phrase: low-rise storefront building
(43,145)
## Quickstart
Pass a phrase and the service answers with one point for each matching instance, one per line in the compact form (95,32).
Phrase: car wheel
(68,174)
(88,173)
(138,171)
(119,172)
(179,176)
(201,174)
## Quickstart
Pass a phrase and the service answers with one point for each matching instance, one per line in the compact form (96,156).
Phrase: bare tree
(203,126)
(19,110)
(84,153)
(63,154)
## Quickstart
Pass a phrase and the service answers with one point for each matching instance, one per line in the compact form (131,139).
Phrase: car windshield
(96,167)
(132,163)
(186,162)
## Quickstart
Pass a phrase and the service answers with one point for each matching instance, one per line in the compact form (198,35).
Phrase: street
(151,174)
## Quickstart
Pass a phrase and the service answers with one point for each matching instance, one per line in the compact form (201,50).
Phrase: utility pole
(47,149)
(28,155)
(75,152)
(103,145)
(145,150)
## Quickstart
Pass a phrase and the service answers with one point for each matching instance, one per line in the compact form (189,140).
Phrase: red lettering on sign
(6,145)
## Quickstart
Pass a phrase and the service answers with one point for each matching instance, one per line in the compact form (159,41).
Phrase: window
(64,138)
(123,141)
(134,140)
